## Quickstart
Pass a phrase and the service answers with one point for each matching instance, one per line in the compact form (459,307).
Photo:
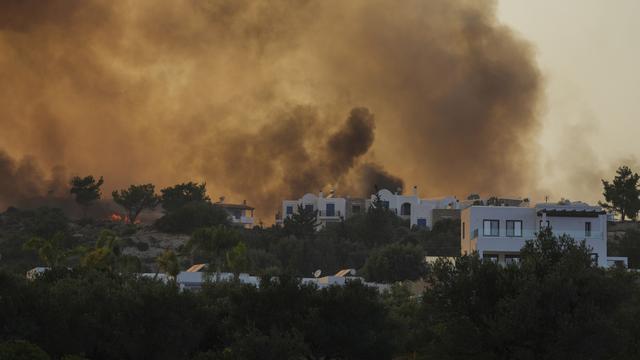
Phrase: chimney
(320,194)
(415,190)
(244,202)
(221,200)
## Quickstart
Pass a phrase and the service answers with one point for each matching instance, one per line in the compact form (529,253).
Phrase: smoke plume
(252,96)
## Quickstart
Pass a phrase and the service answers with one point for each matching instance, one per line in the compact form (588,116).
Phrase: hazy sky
(589,53)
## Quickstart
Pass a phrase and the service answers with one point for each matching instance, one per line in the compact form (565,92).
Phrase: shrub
(192,216)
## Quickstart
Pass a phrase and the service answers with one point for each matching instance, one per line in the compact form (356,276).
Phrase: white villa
(499,232)
(330,208)
(418,211)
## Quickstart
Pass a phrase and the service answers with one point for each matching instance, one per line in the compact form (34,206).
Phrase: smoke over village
(319,179)
(265,100)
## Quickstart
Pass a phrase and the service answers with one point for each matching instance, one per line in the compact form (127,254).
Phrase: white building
(418,211)
(329,209)
(499,232)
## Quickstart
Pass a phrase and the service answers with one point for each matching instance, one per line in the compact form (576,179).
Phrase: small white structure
(329,209)
(341,278)
(418,211)
(499,232)
(36,272)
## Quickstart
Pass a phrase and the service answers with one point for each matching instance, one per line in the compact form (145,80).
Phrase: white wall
(420,208)
(472,219)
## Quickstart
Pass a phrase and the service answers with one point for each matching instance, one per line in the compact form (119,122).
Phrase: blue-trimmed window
(331,209)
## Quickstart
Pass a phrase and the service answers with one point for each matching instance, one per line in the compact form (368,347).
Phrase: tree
(555,304)
(136,198)
(86,190)
(303,223)
(395,262)
(211,242)
(51,250)
(192,216)
(21,350)
(106,253)
(168,263)
(177,196)
(237,258)
(622,195)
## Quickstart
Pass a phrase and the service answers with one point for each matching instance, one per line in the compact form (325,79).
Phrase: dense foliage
(192,216)
(555,304)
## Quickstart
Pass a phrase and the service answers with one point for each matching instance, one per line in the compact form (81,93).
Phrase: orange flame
(115,217)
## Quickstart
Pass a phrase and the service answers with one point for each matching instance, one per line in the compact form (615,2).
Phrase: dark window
(355,209)
(491,228)
(331,209)
(308,207)
(289,210)
(385,204)
(463,230)
(405,209)
(587,229)
(491,257)
(514,228)
(422,222)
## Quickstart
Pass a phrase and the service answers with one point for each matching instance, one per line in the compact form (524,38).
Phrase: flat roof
(235,206)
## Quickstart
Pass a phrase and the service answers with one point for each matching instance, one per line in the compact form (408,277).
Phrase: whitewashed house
(499,232)
(329,208)
(418,211)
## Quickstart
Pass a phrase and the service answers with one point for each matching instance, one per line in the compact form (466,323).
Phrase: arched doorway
(405,209)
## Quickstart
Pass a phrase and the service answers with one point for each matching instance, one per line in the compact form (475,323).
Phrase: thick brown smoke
(252,96)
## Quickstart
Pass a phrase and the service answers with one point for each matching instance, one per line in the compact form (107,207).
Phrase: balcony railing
(532,234)
(243,220)
(323,213)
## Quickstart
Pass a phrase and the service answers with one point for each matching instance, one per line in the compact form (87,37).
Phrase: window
(463,230)
(405,209)
(289,210)
(514,228)
(491,257)
(331,209)
(544,224)
(355,209)
(491,228)
(511,259)
(422,222)
(385,204)
(308,207)
(587,229)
